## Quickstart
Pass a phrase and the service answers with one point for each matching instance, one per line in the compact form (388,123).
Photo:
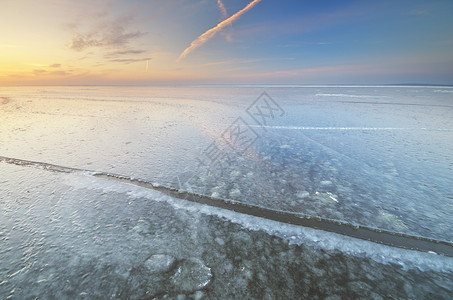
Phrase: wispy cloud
(218,63)
(55,66)
(61,73)
(39,71)
(124,52)
(222,9)
(111,38)
(113,34)
(82,41)
(202,39)
(125,56)
(358,70)
(130,60)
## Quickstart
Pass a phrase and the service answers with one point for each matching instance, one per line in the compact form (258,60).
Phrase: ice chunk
(159,263)
(326,182)
(391,220)
(326,197)
(234,193)
(302,194)
(219,241)
(191,275)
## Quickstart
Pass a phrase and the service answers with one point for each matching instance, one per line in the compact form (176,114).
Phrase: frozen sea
(100,191)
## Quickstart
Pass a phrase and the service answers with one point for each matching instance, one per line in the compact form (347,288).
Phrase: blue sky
(273,42)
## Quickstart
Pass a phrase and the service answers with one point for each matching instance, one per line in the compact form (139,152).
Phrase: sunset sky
(149,42)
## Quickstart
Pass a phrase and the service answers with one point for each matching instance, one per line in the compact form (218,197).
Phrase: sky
(184,42)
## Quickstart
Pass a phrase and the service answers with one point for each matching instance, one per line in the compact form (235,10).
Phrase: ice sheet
(376,156)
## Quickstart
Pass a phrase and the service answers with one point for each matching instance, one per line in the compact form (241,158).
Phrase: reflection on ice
(385,150)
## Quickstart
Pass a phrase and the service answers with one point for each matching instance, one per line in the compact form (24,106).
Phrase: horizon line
(243,85)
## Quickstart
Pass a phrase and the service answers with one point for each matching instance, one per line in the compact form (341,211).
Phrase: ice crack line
(357,128)
(339,128)
(385,237)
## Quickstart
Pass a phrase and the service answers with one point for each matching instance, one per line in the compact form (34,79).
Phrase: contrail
(224,13)
(222,9)
(211,32)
